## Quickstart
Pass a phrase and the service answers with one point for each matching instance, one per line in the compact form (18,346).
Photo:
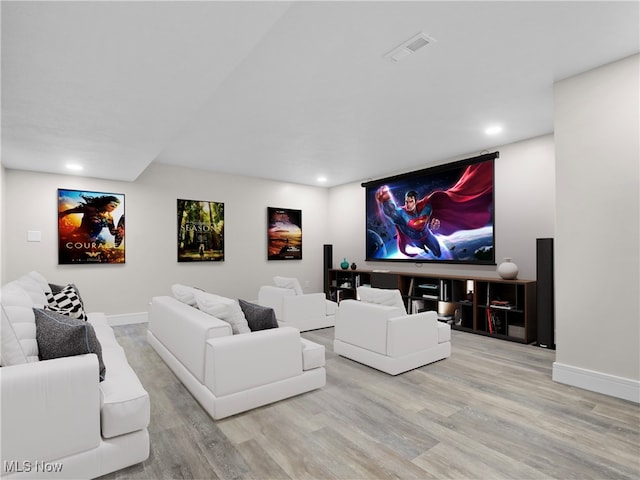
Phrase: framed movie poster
(90,227)
(284,234)
(200,231)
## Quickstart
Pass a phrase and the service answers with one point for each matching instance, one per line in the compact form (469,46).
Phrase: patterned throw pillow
(62,336)
(67,301)
(258,317)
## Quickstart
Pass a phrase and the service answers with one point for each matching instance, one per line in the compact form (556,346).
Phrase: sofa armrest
(364,324)
(249,360)
(411,333)
(304,307)
(183,330)
(50,409)
(331,307)
(444,332)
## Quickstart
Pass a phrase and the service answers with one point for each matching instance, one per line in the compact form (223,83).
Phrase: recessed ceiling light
(322,179)
(493,130)
(74,166)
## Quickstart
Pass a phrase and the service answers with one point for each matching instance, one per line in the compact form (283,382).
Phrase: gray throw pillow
(62,336)
(258,317)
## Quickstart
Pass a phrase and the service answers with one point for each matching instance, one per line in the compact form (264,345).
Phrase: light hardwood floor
(490,411)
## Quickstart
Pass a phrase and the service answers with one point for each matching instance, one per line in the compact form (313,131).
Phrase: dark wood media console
(499,308)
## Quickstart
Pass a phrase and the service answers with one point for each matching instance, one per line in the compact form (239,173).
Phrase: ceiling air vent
(412,45)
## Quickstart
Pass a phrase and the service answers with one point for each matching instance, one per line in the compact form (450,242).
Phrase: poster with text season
(200,231)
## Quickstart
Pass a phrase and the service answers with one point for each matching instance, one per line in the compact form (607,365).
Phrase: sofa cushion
(223,308)
(124,402)
(62,336)
(381,296)
(288,282)
(67,301)
(258,317)
(23,322)
(185,294)
(15,295)
(35,285)
(11,350)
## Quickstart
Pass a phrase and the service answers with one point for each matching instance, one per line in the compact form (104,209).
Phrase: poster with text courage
(90,227)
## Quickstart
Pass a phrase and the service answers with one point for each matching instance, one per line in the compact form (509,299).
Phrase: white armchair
(304,311)
(382,335)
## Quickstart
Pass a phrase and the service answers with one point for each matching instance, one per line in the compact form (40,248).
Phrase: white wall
(597,233)
(524,211)
(151,256)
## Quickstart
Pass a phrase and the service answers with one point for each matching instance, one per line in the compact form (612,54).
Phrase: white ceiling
(288,90)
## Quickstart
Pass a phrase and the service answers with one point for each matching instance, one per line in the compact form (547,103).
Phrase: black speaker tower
(328,264)
(545,297)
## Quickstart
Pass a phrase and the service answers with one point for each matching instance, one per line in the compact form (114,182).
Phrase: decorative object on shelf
(344,265)
(353,266)
(469,296)
(508,270)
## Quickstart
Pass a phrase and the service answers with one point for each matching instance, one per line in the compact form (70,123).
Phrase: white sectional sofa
(228,372)
(377,332)
(58,420)
(293,308)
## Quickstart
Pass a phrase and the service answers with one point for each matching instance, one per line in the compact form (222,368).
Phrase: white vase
(508,270)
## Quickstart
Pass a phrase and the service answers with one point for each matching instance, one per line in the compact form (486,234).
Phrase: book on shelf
(430,297)
(503,304)
(417,306)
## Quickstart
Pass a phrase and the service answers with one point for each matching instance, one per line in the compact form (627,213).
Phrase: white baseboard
(127,318)
(611,385)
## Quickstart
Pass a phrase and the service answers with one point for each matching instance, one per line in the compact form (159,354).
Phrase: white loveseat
(227,372)
(293,308)
(377,332)
(58,419)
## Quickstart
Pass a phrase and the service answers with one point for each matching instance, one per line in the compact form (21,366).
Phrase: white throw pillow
(184,294)
(288,282)
(11,353)
(223,308)
(381,296)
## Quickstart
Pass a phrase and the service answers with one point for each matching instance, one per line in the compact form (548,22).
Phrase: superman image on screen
(435,221)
